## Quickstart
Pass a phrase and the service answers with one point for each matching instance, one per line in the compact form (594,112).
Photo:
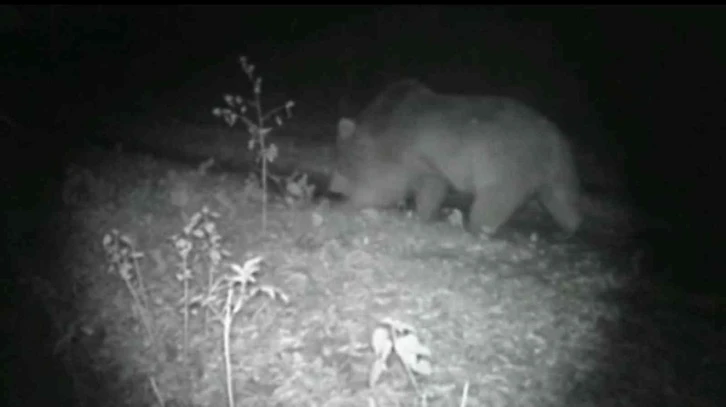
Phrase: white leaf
(401,328)
(410,350)
(379,366)
(272,292)
(422,367)
(381,343)
(247,271)
(411,345)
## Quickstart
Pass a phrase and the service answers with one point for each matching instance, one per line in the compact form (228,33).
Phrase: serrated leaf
(246,273)
(243,275)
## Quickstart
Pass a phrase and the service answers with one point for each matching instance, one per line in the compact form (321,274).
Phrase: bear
(412,142)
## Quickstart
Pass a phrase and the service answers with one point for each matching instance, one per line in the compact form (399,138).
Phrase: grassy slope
(525,323)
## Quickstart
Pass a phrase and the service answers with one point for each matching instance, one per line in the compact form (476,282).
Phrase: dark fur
(413,141)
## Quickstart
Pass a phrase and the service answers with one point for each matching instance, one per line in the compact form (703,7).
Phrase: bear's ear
(346,128)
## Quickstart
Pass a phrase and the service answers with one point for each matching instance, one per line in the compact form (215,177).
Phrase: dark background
(641,87)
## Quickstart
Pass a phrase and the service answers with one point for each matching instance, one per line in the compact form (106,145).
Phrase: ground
(520,321)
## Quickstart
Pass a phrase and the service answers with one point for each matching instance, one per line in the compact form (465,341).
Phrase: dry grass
(523,322)
(527,324)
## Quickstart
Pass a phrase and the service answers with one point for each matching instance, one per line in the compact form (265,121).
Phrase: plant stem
(227,362)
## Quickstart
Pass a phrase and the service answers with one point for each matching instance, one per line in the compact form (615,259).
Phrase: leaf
(294,189)
(127,240)
(422,367)
(381,343)
(215,256)
(204,166)
(245,274)
(289,105)
(272,292)
(400,328)
(410,350)
(107,239)
(271,154)
(230,118)
(379,366)
(192,222)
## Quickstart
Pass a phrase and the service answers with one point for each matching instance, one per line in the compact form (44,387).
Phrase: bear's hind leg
(561,202)
(430,194)
(493,206)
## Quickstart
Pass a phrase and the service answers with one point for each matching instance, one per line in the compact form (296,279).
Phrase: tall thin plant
(257,123)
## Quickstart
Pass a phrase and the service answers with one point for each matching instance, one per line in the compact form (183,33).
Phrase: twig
(156,391)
